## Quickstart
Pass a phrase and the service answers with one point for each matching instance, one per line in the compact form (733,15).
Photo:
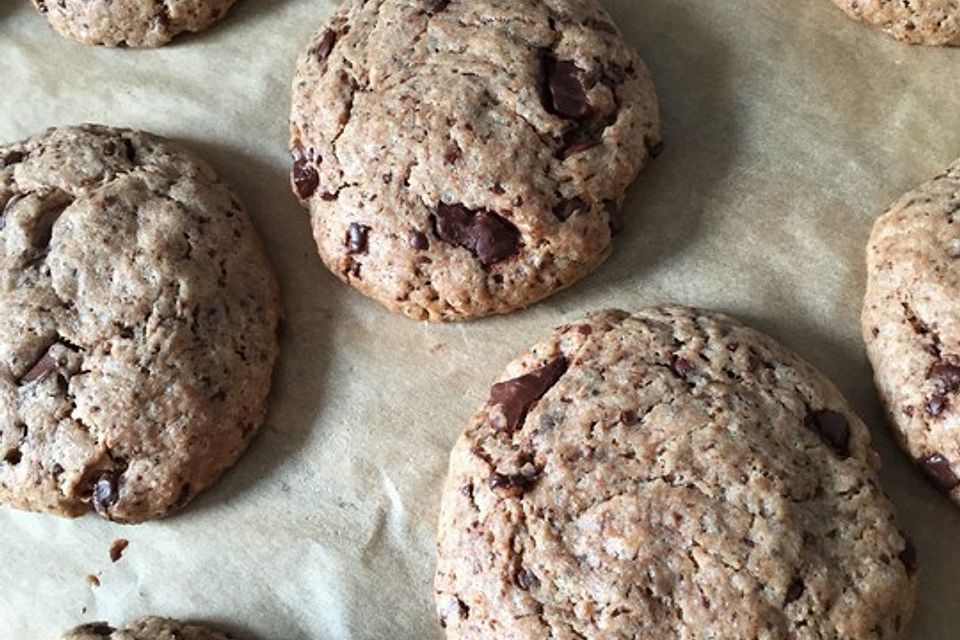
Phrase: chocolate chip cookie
(130,23)
(138,328)
(668,474)
(932,22)
(911,323)
(145,629)
(466,158)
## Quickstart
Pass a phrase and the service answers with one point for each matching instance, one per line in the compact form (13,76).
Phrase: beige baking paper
(788,127)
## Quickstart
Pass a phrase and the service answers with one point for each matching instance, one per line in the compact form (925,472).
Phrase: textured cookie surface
(138,324)
(461,159)
(145,629)
(933,22)
(911,323)
(668,474)
(130,23)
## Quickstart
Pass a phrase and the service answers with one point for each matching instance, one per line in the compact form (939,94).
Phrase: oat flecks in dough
(682,476)
(911,323)
(482,146)
(150,628)
(130,23)
(138,322)
(931,22)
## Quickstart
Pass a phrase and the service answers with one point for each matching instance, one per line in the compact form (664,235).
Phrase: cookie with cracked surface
(930,22)
(461,159)
(130,23)
(138,328)
(150,628)
(911,323)
(668,474)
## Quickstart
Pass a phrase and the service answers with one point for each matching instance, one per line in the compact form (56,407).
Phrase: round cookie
(139,325)
(461,159)
(130,23)
(911,323)
(150,628)
(668,474)
(931,22)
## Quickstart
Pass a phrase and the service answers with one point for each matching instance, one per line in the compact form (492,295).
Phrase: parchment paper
(789,129)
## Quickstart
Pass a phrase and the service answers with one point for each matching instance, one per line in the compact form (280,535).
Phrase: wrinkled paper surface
(788,127)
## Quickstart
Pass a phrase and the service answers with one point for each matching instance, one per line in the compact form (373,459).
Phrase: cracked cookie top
(461,159)
(130,23)
(138,325)
(911,323)
(151,628)
(668,474)
(932,22)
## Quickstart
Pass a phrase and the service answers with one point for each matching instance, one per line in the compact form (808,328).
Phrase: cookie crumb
(117,548)
(93,581)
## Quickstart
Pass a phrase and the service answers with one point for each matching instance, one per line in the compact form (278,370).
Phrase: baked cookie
(145,629)
(461,159)
(933,22)
(668,474)
(911,323)
(130,23)
(138,329)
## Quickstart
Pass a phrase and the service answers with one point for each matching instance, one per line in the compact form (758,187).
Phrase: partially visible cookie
(138,324)
(150,628)
(130,23)
(462,158)
(932,22)
(668,474)
(911,323)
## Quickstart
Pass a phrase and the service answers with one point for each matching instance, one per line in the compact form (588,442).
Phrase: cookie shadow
(309,296)
(663,209)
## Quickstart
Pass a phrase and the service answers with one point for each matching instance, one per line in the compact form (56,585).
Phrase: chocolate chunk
(565,91)
(305,178)
(946,377)
(356,240)
(629,418)
(418,241)
(13,457)
(12,157)
(95,628)
(939,469)
(569,207)
(511,400)
(681,366)
(437,6)
(452,155)
(514,485)
(105,492)
(526,580)
(909,555)
(324,46)
(40,369)
(833,429)
(117,548)
(488,236)
(794,591)
(936,405)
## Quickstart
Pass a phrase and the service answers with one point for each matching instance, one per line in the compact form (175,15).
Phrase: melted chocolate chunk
(305,178)
(794,591)
(833,429)
(526,580)
(325,44)
(946,377)
(105,492)
(13,157)
(437,6)
(681,366)
(565,92)
(936,405)
(938,469)
(356,240)
(514,398)
(909,555)
(488,236)
(570,207)
(514,485)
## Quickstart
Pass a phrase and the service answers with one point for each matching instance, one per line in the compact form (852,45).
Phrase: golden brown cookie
(932,22)
(145,629)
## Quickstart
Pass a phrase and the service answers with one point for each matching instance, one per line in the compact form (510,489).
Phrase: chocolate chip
(945,376)
(117,548)
(939,469)
(418,241)
(526,580)
(569,207)
(514,398)
(356,240)
(833,429)
(40,369)
(325,45)
(794,591)
(13,457)
(105,492)
(565,91)
(305,178)
(909,555)
(488,236)
(13,157)
(629,418)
